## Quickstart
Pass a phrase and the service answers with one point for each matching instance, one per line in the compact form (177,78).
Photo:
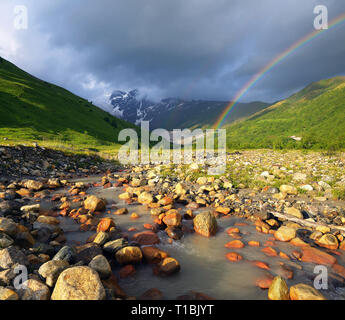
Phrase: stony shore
(295,198)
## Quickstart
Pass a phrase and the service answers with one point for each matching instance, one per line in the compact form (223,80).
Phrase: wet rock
(205,224)
(265,281)
(146,238)
(79,283)
(105,225)
(172,219)
(115,245)
(329,241)
(51,270)
(24,240)
(102,266)
(31,208)
(34,290)
(121,211)
(66,253)
(303,291)
(87,252)
(233,257)
(5,240)
(48,220)
(8,226)
(101,238)
(129,255)
(174,233)
(93,204)
(167,267)
(317,256)
(153,255)
(278,289)
(269,252)
(152,294)
(11,256)
(235,244)
(285,234)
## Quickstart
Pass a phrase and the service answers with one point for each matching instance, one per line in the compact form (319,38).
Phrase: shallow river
(204,267)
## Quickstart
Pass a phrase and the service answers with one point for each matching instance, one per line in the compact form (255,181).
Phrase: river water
(204,267)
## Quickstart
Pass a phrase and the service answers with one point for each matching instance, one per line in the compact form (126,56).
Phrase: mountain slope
(174,113)
(316,114)
(34,110)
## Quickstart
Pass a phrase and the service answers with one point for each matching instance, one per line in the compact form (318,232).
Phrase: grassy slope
(317,114)
(34,110)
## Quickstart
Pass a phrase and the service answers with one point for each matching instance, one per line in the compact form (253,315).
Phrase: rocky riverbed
(90,229)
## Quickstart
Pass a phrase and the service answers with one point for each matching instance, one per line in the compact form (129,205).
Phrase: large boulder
(78,283)
(172,218)
(302,291)
(278,289)
(7,294)
(205,224)
(93,203)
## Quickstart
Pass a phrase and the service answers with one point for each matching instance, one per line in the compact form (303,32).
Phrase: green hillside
(34,110)
(316,114)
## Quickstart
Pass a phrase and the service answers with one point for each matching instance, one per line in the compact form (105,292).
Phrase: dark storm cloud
(203,49)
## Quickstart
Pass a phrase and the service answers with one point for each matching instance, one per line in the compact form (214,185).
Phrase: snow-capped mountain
(173,113)
(133,108)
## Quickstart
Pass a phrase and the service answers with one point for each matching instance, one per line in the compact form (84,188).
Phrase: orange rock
(148,226)
(235,235)
(173,219)
(154,255)
(253,243)
(105,224)
(236,244)
(297,242)
(269,252)
(131,229)
(233,256)
(264,282)
(233,230)
(284,255)
(223,210)
(270,244)
(134,216)
(146,238)
(317,256)
(127,271)
(165,201)
(261,265)
(338,269)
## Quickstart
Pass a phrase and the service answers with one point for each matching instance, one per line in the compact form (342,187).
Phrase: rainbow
(271,65)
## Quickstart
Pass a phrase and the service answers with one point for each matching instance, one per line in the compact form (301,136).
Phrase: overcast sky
(192,49)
